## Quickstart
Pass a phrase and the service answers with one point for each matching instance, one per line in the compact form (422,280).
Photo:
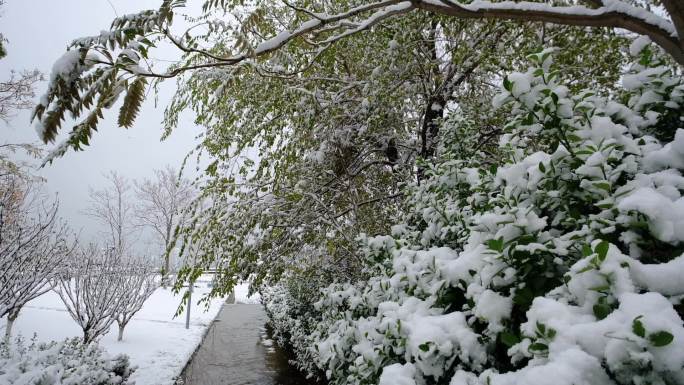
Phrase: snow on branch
(138,283)
(34,246)
(104,285)
(97,70)
(93,291)
(612,14)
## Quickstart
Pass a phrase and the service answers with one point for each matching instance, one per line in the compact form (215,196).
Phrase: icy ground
(157,343)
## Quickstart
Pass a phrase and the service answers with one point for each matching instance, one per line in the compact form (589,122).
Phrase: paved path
(236,351)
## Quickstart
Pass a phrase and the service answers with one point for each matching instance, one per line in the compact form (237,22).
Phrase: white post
(187,314)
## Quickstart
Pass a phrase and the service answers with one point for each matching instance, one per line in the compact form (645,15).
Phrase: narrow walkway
(236,351)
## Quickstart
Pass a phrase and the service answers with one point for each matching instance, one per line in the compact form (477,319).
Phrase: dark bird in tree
(391,152)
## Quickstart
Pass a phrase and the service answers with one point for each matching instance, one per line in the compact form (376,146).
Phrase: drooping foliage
(305,163)
(96,70)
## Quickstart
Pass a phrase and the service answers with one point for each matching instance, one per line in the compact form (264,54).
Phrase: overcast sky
(38,32)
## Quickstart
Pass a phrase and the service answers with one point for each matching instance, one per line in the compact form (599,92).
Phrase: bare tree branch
(34,245)
(160,202)
(93,290)
(112,208)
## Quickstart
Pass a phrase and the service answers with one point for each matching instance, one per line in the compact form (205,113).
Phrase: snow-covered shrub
(68,362)
(555,258)
(292,317)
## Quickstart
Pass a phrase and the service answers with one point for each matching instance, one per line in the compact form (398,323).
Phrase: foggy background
(38,33)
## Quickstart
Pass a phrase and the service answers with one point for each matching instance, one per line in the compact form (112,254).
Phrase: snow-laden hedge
(555,260)
(68,362)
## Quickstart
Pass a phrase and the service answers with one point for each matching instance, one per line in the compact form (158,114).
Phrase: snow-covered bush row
(554,259)
(68,362)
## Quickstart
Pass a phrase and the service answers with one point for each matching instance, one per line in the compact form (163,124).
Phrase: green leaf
(508,86)
(661,338)
(600,288)
(211,169)
(605,206)
(509,339)
(542,168)
(602,250)
(603,185)
(529,119)
(638,327)
(586,250)
(551,333)
(538,347)
(601,311)
(424,346)
(496,244)
(523,297)
(132,102)
(554,97)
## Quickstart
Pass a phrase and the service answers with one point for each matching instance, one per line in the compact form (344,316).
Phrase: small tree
(160,202)
(93,295)
(33,246)
(112,208)
(138,284)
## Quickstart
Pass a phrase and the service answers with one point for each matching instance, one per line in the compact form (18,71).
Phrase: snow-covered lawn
(157,343)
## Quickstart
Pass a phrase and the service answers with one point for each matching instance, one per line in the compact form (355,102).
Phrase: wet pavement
(237,351)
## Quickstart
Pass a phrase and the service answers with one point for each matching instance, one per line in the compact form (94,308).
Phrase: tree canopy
(98,69)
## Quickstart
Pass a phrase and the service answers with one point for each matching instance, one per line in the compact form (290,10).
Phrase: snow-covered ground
(157,343)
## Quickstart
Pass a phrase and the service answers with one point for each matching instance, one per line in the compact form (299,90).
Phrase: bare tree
(93,294)
(160,201)
(11,166)
(17,92)
(138,284)
(34,246)
(112,208)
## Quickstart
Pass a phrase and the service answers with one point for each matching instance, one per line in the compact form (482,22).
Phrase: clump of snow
(521,83)
(494,308)
(670,156)
(665,215)
(397,374)
(67,64)
(663,278)
(638,45)
(567,367)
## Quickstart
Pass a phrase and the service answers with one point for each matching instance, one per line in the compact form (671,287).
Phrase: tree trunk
(87,338)
(165,270)
(121,330)
(434,112)
(8,328)
(435,103)
(11,317)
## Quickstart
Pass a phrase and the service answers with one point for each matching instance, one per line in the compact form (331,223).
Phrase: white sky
(38,32)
